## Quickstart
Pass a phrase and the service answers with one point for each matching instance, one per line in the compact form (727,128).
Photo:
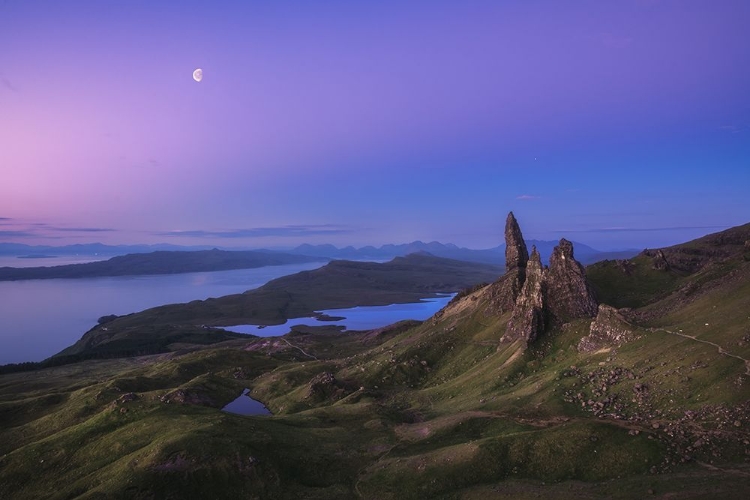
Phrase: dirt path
(717,346)
(300,349)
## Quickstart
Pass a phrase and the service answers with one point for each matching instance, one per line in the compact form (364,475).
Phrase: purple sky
(616,124)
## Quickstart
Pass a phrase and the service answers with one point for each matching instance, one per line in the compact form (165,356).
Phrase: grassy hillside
(440,409)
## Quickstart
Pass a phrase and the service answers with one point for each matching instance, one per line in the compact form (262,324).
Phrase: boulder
(609,329)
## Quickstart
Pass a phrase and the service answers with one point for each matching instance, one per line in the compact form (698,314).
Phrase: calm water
(39,318)
(245,405)
(356,318)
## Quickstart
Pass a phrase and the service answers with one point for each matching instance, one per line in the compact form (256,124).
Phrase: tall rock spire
(516,254)
(543,297)
(569,293)
(516,258)
(528,318)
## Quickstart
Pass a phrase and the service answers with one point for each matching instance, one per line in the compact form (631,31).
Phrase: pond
(245,405)
(355,318)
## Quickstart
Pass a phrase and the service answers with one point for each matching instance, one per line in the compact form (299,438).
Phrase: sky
(619,124)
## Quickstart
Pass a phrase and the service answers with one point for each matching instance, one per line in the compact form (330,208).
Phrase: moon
(198,75)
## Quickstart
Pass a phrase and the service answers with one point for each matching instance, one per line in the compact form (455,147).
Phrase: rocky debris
(130,396)
(516,254)
(241,373)
(189,397)
(712,432)
(125,398)
(609,329)
(593,391)
(528,318)
(569,294)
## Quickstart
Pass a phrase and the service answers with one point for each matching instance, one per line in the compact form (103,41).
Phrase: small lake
(39,318)
(355,318)
(245,405)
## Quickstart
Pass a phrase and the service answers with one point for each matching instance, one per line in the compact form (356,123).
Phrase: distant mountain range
(496,255)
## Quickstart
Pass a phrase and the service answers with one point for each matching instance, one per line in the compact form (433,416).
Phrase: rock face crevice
(537,296)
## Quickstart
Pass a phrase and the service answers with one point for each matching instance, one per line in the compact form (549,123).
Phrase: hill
(160,262)
(538,385)
(493,256)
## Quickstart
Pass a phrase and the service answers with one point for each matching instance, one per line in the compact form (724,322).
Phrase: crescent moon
(198,75)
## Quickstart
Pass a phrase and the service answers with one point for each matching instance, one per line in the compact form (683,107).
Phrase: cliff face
(538,296)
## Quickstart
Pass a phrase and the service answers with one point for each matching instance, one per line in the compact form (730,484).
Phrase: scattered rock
(324,386)
(186,396)
(130,396)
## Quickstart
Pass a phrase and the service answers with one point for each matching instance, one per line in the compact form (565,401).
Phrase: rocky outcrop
(658,259)
(528,318)
(537,296)
(569,294)
(609,329)
(188,397)
(506,290)
(325,387)
(516,254)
